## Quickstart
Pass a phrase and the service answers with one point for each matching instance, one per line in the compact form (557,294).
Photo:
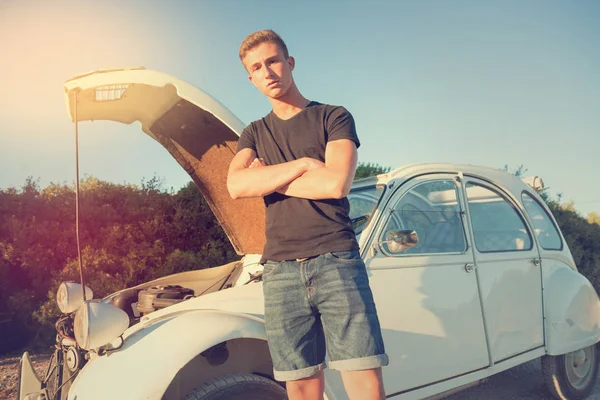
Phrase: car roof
(507,181)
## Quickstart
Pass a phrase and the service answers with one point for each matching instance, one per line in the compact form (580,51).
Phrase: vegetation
(131,234)
(365,170)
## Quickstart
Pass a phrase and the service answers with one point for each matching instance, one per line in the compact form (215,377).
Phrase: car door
(509,271)
(427,297)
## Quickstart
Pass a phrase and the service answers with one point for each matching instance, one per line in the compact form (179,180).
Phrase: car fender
(151,357)
(571,309)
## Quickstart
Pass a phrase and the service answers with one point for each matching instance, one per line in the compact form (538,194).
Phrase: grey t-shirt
(295,227)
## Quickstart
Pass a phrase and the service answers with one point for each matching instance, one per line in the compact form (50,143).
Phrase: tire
(238,387)
(571,376)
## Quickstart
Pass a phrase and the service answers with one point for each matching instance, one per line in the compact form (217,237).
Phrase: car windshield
(362,204)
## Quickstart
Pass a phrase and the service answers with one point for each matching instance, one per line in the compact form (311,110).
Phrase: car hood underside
(195,129)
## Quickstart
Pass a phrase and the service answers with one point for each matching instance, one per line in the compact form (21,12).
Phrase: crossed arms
(305,177)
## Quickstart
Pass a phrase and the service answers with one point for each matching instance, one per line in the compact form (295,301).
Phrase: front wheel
(573,375)
(238,387)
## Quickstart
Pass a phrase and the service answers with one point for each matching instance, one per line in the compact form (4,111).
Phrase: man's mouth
(272,83)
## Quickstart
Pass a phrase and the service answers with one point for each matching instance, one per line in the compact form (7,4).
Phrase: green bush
(129,234)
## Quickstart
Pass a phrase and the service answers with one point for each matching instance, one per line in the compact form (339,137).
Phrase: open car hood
(199,132)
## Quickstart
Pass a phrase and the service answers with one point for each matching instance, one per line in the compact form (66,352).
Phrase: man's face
(269,70)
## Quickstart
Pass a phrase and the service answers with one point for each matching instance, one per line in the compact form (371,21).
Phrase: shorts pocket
(269,268)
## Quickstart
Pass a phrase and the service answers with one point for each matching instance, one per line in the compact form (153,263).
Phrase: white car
(470,272)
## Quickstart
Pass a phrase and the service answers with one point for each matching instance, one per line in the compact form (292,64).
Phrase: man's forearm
(258,182)
(318,184)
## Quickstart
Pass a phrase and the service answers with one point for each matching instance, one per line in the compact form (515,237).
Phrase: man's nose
(268,72)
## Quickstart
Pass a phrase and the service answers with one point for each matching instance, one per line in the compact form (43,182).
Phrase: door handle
(469,267)
(536,261)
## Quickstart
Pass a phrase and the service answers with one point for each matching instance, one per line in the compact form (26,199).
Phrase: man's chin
(274,93)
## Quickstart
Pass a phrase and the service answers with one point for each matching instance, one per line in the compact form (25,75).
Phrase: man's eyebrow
(258,63)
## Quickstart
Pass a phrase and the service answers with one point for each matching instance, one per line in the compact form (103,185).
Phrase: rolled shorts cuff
(358,364)
(307,372)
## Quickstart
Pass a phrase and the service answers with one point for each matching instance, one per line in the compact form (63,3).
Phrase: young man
(301,158)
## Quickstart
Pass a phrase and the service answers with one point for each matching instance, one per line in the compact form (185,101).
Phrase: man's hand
(329,180)
(249,176)
(312,163)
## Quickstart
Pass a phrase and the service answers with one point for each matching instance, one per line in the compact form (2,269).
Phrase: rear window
(545,230)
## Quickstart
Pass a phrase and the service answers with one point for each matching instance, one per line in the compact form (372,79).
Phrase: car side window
(362,205)
(432,210)
(497,225)
(545,229)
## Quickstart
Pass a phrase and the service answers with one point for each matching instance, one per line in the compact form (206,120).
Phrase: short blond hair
(259,37)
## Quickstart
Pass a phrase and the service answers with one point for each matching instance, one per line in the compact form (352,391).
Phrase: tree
(583,239)
(593,218)
(364,170)
(582,235)
(129,234)
(520,172)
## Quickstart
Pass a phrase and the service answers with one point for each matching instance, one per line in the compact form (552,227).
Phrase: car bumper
(29,386)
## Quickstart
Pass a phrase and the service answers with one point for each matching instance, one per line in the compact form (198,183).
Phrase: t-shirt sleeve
(340,125)
(247,139)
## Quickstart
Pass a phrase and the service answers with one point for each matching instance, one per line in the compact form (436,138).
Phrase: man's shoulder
(329,108)
(325,106)
(256,124)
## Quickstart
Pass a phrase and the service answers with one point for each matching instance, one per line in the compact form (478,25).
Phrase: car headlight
(70,296)
(97,324)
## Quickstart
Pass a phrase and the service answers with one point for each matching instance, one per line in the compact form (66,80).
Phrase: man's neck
(290,104)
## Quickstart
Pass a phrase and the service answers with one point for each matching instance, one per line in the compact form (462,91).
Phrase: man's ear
(291,62)
(251,81)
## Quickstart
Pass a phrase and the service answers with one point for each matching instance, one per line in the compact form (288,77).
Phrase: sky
(493,83)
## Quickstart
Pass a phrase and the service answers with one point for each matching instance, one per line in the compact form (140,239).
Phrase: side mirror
(398,241)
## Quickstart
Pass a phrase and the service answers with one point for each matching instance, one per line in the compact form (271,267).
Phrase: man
(301,158)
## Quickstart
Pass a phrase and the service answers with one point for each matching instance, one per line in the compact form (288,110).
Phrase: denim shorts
(321,308)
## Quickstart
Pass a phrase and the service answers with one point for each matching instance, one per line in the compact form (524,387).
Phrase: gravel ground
(522,382)
(9,372)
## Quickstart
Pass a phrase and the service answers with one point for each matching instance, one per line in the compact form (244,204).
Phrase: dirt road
(520,383)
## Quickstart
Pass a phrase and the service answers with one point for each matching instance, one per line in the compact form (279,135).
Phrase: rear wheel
(238,387)
(573,375)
